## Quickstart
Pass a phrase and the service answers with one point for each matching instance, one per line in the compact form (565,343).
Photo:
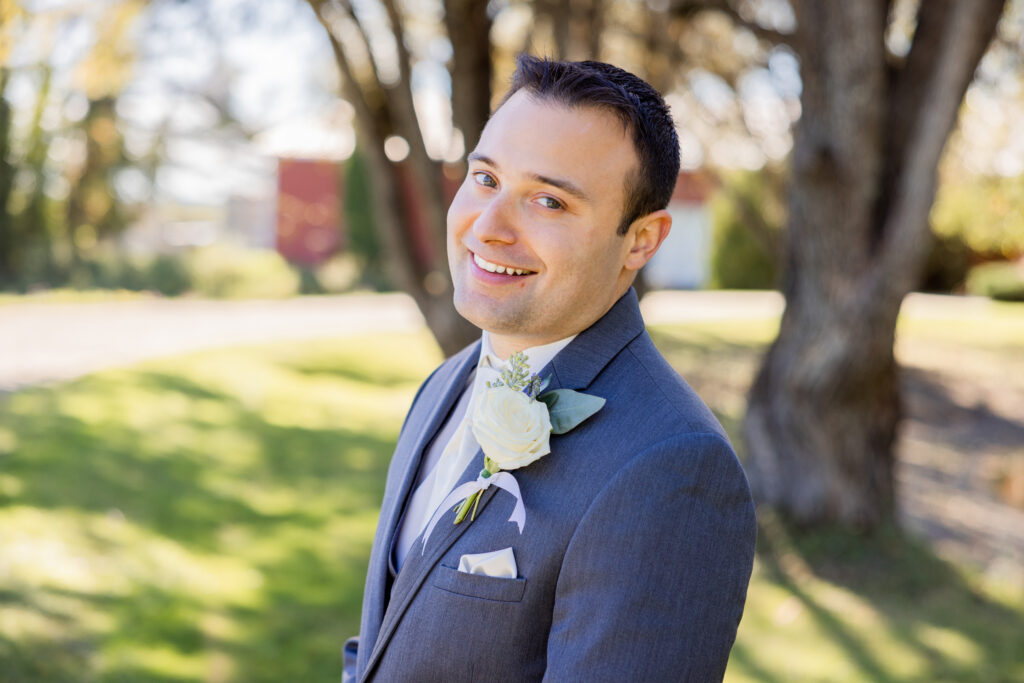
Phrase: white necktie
(462,446)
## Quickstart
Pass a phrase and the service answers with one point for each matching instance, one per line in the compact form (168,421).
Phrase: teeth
(495,268)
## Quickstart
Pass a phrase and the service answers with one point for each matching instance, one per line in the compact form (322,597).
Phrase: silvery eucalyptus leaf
(568,408)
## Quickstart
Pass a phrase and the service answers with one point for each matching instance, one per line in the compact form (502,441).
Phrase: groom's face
(532,232)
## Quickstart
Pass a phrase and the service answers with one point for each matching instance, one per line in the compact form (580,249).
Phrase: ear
(646,235)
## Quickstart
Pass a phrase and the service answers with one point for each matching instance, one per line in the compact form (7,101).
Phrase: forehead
(531,135)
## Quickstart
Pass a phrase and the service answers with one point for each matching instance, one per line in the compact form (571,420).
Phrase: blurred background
(223,277)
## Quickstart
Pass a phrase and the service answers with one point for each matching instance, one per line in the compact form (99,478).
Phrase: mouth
(499,268)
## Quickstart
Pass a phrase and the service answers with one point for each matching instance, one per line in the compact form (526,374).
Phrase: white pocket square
(499,563)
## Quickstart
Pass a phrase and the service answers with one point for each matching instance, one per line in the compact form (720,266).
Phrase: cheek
(558,248)
(597,268)
(460,212)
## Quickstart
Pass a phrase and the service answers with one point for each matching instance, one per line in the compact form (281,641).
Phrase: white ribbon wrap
(503,480)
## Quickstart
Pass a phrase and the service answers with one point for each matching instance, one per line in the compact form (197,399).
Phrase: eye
(549,203)
(484,178)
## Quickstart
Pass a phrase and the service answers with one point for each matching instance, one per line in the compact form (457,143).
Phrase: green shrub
(169,275)
(1003,281)
(110,269)
(232,273)
(982,211)
(219,271)
(738,260)
(363,241)
(740,257)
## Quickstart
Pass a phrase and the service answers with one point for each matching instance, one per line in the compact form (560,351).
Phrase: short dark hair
(640,108)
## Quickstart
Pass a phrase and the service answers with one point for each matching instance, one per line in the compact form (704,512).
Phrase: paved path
(47,342)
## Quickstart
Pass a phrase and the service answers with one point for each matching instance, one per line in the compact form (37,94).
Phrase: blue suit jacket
(637,550)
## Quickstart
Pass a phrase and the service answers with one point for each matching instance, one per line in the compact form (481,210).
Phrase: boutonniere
(513,422)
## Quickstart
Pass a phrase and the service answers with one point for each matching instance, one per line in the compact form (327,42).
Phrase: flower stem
(473,501)
(463,509)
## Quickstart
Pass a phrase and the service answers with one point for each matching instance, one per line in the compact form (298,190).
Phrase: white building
(684,260)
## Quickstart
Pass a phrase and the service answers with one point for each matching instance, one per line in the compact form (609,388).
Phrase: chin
(488,315)
(473,311)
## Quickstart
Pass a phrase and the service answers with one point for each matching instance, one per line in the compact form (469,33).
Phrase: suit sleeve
(654,579)
(349,654)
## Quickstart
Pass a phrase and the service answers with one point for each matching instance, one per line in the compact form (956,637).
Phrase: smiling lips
(500,269)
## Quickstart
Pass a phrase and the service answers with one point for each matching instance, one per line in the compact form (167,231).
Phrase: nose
(495,222)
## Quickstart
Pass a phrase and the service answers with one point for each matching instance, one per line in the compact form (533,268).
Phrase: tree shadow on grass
(961,426)
(380,377)
(293,632)
(907,585)
(702,345)
(293,506)
(67,462)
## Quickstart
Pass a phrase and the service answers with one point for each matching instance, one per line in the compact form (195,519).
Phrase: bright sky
(271,68)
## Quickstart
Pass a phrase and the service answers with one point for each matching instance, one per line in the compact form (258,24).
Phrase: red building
(310,227)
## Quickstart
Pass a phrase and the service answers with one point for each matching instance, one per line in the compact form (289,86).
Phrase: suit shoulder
(665,388)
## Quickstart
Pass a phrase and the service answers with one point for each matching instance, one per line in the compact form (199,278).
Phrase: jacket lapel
(406,467)
(410,467)
(587,355)
(420,562)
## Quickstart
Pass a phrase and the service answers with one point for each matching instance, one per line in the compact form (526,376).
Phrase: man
(639,531)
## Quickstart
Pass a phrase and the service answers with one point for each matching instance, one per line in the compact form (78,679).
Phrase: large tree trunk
(577,27)
(824,410)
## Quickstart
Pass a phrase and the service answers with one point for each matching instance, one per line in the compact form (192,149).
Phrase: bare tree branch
(401,263)
(964,32)
(344,7)
(595,28)
(686,8)
(469,31)
(404,85)
(426,171)
(561,24)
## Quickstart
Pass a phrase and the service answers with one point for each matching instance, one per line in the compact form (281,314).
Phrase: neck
(504,346)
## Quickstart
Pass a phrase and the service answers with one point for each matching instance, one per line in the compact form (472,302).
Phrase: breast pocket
(476,586)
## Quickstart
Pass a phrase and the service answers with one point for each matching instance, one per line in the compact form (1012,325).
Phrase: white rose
(512,429)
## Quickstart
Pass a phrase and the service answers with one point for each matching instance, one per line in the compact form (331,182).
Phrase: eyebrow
(561,183)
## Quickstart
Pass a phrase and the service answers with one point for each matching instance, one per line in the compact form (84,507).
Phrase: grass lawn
(208,518)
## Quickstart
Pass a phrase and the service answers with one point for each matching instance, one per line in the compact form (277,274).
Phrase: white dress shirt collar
(537,356)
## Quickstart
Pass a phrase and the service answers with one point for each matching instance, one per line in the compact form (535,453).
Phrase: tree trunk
(822,415)
(408,197)
(7,237)
(471,68)
(594,29)
(824,409)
